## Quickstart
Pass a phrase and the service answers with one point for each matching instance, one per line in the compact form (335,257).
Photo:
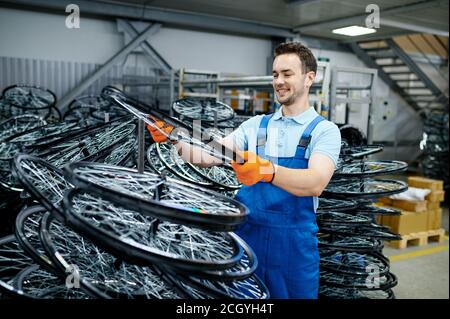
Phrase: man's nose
(278,81)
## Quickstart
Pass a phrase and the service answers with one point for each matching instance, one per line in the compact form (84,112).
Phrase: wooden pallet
(418,239)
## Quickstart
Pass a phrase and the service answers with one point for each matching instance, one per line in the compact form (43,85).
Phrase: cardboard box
(436,196)
(379,219)
(434,219)
(410,205)
(423,182)
(433,205)
(408,222)
(385,200)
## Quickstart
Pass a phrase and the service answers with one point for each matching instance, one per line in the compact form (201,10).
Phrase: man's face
(289,83)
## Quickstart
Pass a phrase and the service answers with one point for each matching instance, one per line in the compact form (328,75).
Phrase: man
(290,157)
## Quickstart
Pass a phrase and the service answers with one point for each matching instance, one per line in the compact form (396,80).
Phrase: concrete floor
(422,272)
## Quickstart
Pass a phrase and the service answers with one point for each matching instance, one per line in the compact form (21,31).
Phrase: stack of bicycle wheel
(104,231)
(352,265)
(22,108)
(435,147)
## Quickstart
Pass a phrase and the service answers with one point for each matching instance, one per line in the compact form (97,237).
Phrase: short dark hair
(306,57)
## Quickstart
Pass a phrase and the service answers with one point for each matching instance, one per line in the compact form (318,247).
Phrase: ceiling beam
(360,19)
(297,2)
(413,27)
(159,15)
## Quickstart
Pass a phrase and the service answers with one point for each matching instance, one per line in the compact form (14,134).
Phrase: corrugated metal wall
(62,76)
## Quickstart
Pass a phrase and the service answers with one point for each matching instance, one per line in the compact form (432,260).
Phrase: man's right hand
(157,135)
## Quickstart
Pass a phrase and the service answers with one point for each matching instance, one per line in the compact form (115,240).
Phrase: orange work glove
(157,136)
(254,169)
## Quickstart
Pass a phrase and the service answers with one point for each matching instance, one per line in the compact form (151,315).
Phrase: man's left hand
(254,169)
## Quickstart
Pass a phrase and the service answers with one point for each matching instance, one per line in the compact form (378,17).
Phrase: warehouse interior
(80,81)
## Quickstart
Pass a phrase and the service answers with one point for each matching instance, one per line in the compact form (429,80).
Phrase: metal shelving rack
(210,84)
(353,94)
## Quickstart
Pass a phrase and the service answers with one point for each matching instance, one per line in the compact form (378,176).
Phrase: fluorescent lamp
(354,31)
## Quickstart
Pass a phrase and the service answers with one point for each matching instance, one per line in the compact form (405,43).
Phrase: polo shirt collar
(302,118)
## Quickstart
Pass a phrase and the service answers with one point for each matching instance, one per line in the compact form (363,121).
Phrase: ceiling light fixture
(354,31)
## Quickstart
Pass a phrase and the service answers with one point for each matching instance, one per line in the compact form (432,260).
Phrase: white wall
(40,35)
(212,51)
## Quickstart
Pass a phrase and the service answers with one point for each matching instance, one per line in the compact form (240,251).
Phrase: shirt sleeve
(327,141)
(245,132)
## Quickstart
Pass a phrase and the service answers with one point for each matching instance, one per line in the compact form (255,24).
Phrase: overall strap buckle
(306,136)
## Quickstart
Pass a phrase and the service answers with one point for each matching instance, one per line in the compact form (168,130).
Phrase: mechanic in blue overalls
(290,156)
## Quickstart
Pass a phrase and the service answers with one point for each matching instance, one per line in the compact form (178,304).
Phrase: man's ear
(310,77)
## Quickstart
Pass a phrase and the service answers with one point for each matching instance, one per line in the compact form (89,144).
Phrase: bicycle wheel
(100,274)
(45,182)
(353,263)
(38,283)
(373,231)
(12,261)
(101,110)
(357,152)
(16,125)
(327,292)
(27,234)
(156,164)
(29,97)
(81,115)
(108,111)
(139,239)
(47,132)
(367,188)
(222,176)
(244,269)
(21,142)
(122,152)
(169,157)
(59,142)
(190,291)
(329,204)
(183,132)
(8,182)
(330,217)
(378,210)
(229,125)
(163,198)
(207,110)
(349,243)
(362,283)
(7,151)
(369,168)
(250,288)
(92,148)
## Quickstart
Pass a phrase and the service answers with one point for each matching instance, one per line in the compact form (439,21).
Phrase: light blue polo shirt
(283,135)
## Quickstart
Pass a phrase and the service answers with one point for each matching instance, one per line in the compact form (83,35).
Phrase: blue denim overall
(282,227)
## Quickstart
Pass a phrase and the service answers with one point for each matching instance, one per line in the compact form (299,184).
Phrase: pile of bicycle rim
(88,224)
(434,160)
(80,220)
(352,265)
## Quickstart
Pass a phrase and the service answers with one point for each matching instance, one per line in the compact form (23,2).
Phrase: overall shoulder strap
(306,136)
(261,138)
